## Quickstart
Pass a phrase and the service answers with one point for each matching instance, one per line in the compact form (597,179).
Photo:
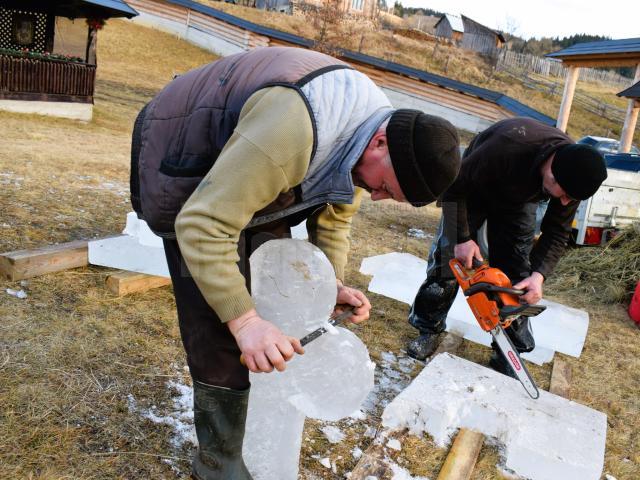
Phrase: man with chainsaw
(506,171)
(231,155)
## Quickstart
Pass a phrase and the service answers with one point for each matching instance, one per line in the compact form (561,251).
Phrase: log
(462,457)
(123,282)
(22,264)
(560,378)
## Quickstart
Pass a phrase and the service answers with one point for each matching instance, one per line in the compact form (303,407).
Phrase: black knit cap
(579,169)
(425,154)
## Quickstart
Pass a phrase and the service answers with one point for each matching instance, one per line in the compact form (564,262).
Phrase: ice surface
(300,231)
(294,286)
(559,328)
(548,438)
(138,250)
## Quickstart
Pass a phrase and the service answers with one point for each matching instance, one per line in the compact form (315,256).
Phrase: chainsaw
(495,304)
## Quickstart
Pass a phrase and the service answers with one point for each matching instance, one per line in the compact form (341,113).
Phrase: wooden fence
(34,79)
(509,60)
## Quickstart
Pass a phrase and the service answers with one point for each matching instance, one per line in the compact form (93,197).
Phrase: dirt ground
(72,356)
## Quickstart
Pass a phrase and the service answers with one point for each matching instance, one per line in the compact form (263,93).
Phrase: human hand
(262,344)
(355,298)
(533,286)
(466,251)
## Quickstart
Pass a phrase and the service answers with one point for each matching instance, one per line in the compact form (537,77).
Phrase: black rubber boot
(422,347)
(501,365)
(521,334)
(219,415)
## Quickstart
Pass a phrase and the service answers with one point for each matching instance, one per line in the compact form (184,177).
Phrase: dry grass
(71,354)
(607,274)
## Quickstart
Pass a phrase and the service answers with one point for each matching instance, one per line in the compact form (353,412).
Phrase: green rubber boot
(219,415)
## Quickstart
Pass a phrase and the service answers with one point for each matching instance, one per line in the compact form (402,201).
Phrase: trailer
(615,205)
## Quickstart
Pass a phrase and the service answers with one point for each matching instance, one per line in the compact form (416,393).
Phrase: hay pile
(606,274)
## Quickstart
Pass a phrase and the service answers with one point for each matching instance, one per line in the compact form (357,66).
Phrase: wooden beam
(22,264)
(462,457)
(123,282)
(560,378)
(567,98)
(601,62)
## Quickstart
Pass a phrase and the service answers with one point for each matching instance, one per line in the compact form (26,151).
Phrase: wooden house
(48,54)
(469,34)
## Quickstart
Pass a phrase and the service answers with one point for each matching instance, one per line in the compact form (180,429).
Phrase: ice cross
(294,286)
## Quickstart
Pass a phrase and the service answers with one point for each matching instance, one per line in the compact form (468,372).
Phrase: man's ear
(379,140)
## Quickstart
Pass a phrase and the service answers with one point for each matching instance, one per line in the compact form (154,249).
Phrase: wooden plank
(22,264)
(560,378)
(462,457)
(124,282)
(372,463)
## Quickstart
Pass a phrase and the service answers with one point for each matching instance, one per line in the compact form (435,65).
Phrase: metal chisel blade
(517,365)
(333,322)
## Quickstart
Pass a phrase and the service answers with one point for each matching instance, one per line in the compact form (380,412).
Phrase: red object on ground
(634,307)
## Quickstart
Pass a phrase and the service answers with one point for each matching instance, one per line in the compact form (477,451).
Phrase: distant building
(468,33)
(48,54)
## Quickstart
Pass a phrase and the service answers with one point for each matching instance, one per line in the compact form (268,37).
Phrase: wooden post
(630,119)
(463,455)
(567,97)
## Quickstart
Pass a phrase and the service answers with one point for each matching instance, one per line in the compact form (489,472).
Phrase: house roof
(75,8)
(500,99)
(632,92)
(490,30)
(117,8)
(625,52)
(455,22)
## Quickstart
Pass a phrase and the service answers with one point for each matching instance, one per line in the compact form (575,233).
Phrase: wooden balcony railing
(53,80)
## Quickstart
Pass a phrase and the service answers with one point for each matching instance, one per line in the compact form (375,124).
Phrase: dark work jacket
(502,164)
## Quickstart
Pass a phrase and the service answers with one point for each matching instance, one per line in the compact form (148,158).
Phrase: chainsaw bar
(516,363)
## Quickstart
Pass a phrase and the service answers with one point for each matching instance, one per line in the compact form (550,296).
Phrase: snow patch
(333,434)
(17,293)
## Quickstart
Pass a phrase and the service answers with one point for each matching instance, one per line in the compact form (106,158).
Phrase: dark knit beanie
(579,169)
(425,154)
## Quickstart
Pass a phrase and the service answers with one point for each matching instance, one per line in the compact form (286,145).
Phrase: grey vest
(180,133)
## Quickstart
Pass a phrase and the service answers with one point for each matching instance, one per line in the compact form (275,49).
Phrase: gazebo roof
(75,8)
(632,92)
(605,53)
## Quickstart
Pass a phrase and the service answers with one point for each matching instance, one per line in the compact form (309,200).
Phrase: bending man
(254,143)
(506,171)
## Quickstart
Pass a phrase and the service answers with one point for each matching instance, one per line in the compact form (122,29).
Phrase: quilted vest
(180,133)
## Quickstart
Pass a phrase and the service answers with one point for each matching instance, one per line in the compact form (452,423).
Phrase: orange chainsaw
(495,304)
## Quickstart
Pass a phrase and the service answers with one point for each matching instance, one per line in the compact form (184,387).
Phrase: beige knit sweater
(268,154)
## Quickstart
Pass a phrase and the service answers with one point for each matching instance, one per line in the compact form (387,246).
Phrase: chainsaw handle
(488,287)
(475,263)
